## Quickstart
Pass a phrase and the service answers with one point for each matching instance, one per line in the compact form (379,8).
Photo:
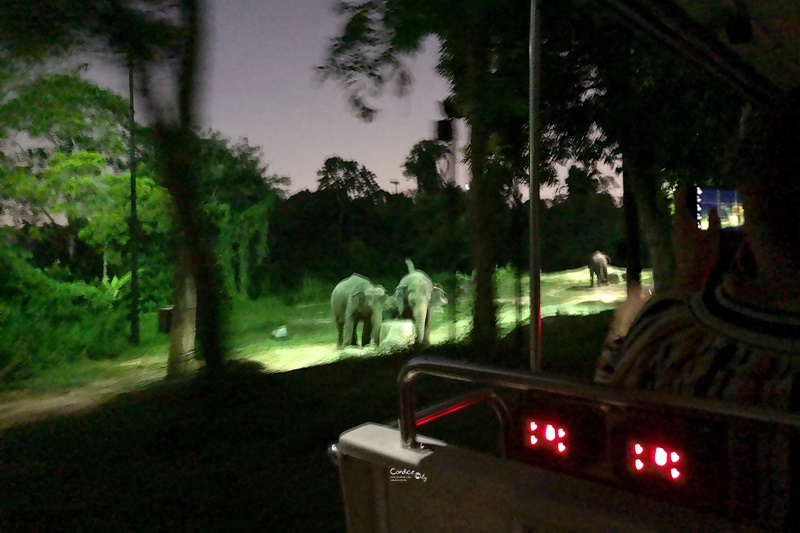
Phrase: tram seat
(573,456)
(444,488)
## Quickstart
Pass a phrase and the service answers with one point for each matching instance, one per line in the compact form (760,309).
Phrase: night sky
(260,82)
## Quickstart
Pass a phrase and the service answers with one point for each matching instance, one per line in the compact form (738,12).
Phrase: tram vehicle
(574,456)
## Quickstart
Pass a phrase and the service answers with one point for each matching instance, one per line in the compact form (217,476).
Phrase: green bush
(44,321)
(312,290)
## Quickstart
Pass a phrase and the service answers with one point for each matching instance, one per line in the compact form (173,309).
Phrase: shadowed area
(244,453)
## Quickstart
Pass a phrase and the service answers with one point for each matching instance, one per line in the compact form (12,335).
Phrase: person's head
(768,174)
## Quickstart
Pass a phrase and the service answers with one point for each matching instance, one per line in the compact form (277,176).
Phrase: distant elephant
(414,297)
(598,266)
(353,300)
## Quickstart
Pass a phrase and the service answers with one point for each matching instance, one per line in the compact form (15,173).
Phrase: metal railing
(602,394)
(457,403)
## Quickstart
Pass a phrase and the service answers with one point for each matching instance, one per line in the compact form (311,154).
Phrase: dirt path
(22,407)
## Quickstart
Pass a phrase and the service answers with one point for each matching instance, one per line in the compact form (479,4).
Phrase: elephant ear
(358,297)
(382,291)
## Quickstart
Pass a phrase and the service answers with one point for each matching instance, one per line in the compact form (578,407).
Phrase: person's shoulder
(659,307)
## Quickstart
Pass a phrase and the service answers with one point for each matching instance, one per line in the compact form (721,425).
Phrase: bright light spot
(561,447)
(534,440)
(637,449)
(674,457)
(561,433)
(660,456)
(639,464)
(675,473)
(550,432)
(533,426)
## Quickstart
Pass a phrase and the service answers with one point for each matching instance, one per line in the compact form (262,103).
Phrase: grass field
(313,333)
(247,453)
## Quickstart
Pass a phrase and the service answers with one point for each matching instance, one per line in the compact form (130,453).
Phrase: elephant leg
(366,333)
(340,331)
(350,330)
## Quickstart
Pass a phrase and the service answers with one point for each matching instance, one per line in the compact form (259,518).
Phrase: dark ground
(243,454)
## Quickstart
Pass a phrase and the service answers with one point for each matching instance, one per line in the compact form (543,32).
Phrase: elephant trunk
(420,314)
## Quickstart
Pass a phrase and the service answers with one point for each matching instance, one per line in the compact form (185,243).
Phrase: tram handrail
(462,401)
(607,395)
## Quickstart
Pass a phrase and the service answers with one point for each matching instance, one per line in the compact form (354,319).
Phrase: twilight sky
(259,81)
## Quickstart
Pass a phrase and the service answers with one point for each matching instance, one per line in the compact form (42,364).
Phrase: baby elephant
(415,297)
(353,300)
(598,266)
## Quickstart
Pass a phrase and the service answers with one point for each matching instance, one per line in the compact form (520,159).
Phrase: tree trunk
(484,329)
(181,361)
(654,218)
(632,238)
(176,149)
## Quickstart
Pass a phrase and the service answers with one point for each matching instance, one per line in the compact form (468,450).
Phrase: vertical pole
(134,223)
(534,141)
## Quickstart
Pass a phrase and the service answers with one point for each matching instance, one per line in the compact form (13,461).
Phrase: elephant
(355,299)
(598,266)
(415,296)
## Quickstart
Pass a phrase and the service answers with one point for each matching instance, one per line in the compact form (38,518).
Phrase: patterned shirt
(711,345)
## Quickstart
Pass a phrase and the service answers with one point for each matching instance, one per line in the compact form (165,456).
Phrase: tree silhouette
(347,179)
(421,165)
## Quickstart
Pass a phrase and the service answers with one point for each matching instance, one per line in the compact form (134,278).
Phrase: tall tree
(239,195)
(345,180)
(669,122)
(422,164)
(152,36)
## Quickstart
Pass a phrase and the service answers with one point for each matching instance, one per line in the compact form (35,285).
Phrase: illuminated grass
(313,339)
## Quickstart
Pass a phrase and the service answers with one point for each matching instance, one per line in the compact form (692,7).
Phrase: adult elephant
(353,300)
(415,296)
(598,266)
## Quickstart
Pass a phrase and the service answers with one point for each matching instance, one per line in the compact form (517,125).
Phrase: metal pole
(134,223)
(534,142)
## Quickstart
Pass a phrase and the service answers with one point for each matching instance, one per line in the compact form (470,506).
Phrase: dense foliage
(431,228)
(45,321)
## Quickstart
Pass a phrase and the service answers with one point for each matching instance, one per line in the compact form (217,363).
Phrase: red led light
(660,456)
(547,435)
(648,459)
